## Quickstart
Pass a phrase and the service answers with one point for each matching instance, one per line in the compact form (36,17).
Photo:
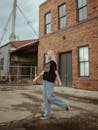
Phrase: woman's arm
(40,74)
(58,77)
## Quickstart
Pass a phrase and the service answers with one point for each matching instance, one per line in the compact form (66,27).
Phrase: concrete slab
(21,102)
(77,92)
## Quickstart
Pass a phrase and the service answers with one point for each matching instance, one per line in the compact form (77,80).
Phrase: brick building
(70,27)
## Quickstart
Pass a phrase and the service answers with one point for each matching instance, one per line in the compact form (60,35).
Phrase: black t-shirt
(49,71)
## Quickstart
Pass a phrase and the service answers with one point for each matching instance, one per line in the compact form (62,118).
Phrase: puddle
(61,126)
(58,126)
(83,122)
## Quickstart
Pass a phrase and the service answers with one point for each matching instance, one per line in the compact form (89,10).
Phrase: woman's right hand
(35,79)
(35,82)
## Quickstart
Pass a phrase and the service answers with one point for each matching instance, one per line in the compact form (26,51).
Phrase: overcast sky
(30,9)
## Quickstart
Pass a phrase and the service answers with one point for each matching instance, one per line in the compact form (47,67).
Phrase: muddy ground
(23,107)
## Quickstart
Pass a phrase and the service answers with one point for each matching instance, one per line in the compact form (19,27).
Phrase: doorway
(65,68)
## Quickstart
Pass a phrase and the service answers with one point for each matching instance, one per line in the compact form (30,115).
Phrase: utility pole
(12,36)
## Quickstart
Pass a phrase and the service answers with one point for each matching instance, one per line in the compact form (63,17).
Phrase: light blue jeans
(49,97)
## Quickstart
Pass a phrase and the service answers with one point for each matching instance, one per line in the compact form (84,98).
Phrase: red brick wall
(75,34)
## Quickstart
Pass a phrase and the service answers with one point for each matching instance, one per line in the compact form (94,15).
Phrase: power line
(28,22)
(5,29)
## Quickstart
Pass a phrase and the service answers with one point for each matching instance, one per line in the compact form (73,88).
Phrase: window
(45,58)
(82,9)
(48,23)
(1,63)
(62,16)
(84,61)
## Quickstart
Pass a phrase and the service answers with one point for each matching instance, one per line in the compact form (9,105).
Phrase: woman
(49,75)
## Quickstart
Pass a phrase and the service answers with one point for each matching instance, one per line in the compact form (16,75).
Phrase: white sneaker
(44,117)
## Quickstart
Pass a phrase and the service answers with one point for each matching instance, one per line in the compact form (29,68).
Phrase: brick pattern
(75,34)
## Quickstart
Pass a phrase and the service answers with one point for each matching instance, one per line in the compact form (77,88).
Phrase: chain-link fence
(17,74)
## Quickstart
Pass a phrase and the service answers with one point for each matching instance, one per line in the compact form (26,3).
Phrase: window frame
(47,24)
(83,62)
(61,17)
(81,8)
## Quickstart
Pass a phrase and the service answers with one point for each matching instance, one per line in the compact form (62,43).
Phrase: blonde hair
(53,56)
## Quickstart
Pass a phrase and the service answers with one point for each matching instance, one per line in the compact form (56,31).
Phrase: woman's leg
(46,102)
(54,99)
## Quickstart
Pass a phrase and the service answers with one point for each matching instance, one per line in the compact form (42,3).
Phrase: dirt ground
(21,107)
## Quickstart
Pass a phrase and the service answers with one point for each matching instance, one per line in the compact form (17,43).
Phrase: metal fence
(17,74)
